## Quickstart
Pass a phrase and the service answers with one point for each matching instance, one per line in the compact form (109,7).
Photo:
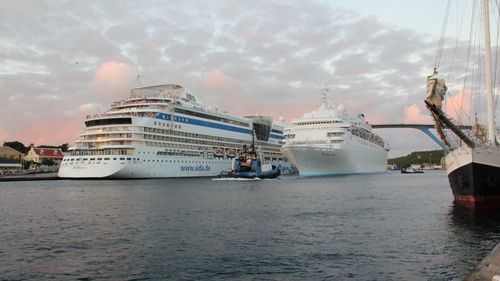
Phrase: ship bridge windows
(111,151)
(109,121)
(262,131)
(211,117)
(318,122)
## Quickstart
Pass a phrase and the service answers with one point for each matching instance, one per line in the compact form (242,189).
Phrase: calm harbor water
(379,227)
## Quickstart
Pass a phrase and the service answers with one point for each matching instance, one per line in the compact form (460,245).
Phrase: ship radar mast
(323,98)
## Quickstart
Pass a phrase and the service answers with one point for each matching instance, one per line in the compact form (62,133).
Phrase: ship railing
(93,116)
(149,114)
(112,130)
(102,151)
(308,142)
(118,136)
(143,100)
(158,90)
(488,147)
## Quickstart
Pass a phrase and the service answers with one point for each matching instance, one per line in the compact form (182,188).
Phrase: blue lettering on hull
(198,168)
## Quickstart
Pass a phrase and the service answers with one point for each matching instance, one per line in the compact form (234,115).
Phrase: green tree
(27,164)
(47,146)
(418,157)
(64,147)
(19,146)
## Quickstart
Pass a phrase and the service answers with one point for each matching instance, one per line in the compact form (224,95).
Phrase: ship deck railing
(145,113)
(310,142)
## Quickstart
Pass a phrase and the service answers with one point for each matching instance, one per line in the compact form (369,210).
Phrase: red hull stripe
(479,201)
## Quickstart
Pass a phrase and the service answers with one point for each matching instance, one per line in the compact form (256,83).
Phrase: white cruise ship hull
(150,168)
(163,132)
(328,141)
(319,160)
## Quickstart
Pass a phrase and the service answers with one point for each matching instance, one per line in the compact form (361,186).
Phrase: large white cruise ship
(330,142)
(165,131)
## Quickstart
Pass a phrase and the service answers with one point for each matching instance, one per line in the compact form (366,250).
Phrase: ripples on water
(382,227)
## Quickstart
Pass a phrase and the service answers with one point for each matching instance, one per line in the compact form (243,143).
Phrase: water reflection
(472,235)
(478,221)
(387,227)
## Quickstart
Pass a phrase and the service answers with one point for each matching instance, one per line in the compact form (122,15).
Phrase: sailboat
(473,165)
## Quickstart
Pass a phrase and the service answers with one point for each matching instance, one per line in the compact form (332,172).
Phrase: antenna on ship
(139,81)
(323,97)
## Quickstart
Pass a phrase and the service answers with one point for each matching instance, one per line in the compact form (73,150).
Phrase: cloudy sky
(62,60)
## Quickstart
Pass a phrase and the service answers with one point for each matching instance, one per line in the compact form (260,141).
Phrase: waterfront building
(10,160)
(10,153)
(38,154)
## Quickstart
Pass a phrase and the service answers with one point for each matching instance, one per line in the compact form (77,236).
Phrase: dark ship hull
(475,184)
(274,173)
(473,170)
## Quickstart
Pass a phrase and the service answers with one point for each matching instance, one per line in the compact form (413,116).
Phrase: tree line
(418,157)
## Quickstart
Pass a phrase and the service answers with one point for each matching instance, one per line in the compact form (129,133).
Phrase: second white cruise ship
(165,131)
(327,141)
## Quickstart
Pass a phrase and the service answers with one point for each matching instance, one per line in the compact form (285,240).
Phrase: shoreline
(31,177)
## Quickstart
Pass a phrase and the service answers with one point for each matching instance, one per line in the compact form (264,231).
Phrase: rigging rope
(439,53)
(470,71)
(457,105)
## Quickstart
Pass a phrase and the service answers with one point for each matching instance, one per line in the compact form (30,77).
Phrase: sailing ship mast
(487,62)
(470,167)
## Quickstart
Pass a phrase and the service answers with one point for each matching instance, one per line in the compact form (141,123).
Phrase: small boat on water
(249,166)
(410,170)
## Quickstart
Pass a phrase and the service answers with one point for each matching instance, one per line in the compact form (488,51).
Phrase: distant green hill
(418,157)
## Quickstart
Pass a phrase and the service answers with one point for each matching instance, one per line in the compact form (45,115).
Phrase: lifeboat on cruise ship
(230,153)
(218,152)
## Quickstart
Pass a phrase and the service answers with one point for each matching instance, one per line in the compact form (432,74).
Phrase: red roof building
(53,153)
(38,154)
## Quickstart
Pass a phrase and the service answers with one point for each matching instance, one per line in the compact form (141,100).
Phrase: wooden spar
(442,117)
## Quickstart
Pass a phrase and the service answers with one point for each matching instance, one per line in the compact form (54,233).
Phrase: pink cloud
(114,79)
(220,90)
(49,132)
(459,105)
(218,80)
(413,114)
(35,133)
